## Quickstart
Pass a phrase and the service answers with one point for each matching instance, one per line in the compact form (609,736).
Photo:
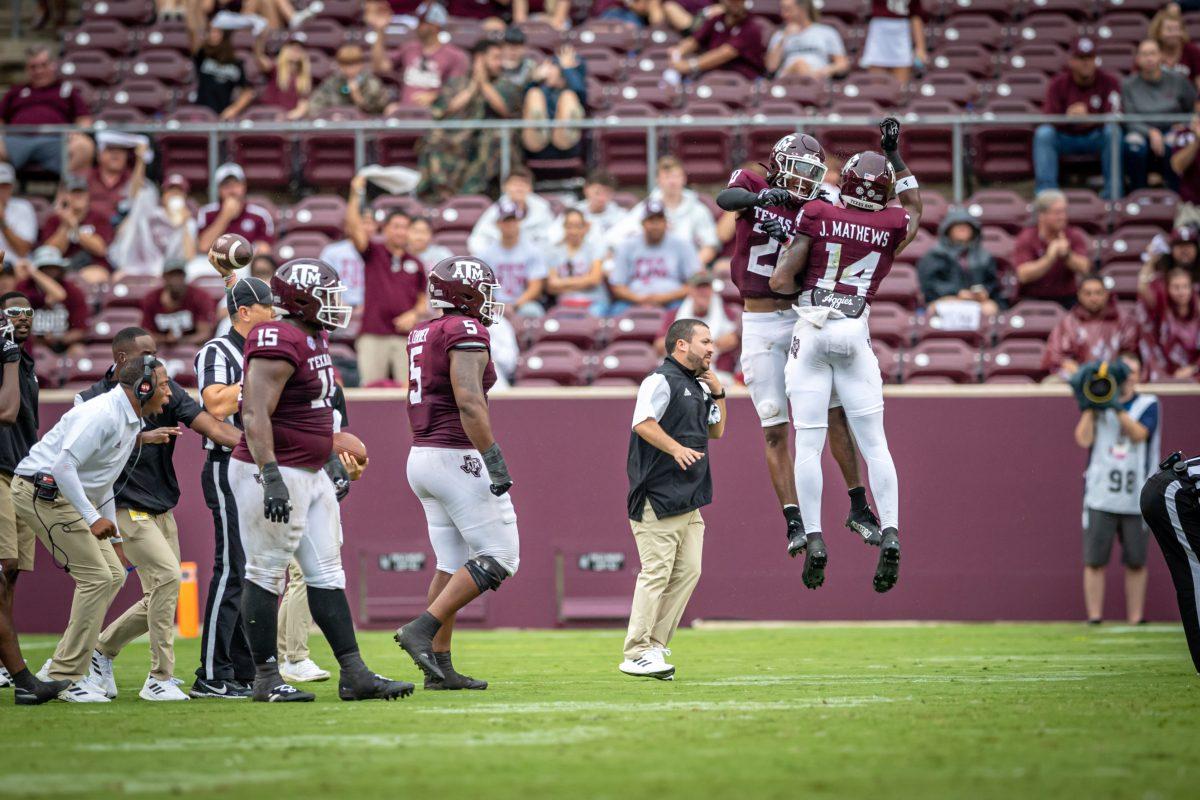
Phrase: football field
(923,711)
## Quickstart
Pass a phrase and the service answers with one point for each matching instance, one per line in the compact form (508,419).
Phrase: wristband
(906,183)
(497,469)
(720,396)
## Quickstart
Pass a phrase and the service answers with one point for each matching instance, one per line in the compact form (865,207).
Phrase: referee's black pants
(1172,510)
(224,650)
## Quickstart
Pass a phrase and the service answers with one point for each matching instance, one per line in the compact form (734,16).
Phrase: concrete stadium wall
(990,517)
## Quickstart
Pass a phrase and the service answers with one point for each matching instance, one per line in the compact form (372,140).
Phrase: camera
(1098,383)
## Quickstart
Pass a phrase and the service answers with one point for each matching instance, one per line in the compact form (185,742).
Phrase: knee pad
(487,572)
(767,409)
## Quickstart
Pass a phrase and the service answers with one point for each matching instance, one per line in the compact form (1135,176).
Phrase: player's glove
(889,134)
(493,459)
(277,503)
(773,227)
(773,197)
(10,352)
(336,471)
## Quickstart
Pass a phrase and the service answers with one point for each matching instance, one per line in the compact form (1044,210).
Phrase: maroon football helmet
(798,165)
(310,290)
(466,285)
(867,181)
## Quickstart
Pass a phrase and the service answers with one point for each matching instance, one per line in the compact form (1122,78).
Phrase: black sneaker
(887,571)
(797,538)
(43,692)
(219,688)
(454,680)
(815,559)
(866,525)
(419,647)
(369,686)
(274,690)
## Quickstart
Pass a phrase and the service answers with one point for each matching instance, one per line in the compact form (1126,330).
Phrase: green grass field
(941,711)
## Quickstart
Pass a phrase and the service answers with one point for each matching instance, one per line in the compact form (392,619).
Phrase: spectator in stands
(487,10)
(704,304)
(804,46)
(652,269)
(558,91)
(79,232)
(1170,344)
(44,99)
(537,217)
(518,262)
(263,267)
(1051,254)
(575,274)
(1152,90)
(895,41)
(220,76)
(422,246)
(343,256)
(1096,329)
(155,230)
(394,292)
(60,308)
(689,218)
(1184,164)
(352,84)
(233,214)
(1178,54)
(678,16)
(1182,251)
(178,313)
(1078,91)
(467,161)
(599,209)
(289,82)
(959,269)
(422,64)
(118,157)
(18,220)
(518,66)
(729,41)
(555,13)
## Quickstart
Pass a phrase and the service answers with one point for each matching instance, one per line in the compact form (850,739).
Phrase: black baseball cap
(248,292)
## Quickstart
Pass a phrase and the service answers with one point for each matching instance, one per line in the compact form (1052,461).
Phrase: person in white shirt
(704,304)
(421,245)
(518,263)
(653,267)
(689,218)
(537,217)
(18,220)
(599,209)
(344,257)
(805,47)
(64,491)
(575,274)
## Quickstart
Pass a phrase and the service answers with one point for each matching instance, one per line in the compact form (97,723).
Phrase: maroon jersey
(852,249)
(755,254)
(302,423)
(432,410)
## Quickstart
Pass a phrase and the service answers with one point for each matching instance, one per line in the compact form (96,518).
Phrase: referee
(680,406)
(1171,507)
(226,669)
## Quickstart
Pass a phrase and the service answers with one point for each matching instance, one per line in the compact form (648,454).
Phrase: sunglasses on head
(18,311)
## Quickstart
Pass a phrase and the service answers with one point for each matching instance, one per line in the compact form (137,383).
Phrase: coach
(680,406)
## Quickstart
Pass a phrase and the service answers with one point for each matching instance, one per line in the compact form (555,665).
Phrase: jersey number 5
(414,374)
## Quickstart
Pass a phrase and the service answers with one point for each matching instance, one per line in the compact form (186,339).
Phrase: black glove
(773,227)
(889,138)
(497,470)
(336,471)
(10,352)
(773,197)
(277,503)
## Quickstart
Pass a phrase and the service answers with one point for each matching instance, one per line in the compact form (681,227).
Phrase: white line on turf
(736,706)
(110,784)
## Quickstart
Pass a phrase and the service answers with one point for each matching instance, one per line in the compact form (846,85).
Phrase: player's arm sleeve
(654,395)
(1149,418)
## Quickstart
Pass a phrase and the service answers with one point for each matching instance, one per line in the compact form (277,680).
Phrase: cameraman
(1122,441)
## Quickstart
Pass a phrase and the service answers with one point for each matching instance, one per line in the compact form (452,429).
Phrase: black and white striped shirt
(220,362)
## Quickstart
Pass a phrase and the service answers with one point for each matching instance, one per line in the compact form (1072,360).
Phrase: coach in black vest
(680,406)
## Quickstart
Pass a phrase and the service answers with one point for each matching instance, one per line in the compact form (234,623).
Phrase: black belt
(28,478)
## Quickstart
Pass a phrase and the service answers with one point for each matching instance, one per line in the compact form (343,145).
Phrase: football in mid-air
(345,442)
(230,252)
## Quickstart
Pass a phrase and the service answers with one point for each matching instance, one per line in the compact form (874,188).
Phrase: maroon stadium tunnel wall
(991,491)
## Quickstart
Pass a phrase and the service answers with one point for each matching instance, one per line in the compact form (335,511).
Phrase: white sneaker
(154,689)
(43,674)
(305,671)
(82,691)
(177,681)
(100,675)
(649,664)
(5,678)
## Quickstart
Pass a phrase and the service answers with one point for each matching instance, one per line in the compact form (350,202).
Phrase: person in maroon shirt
(79,231)
(730,41)
(178,312)
(1096,329)
(1078,91)
(394,296)
(1170,344)
(422,64)
(45,100)
(233,214)
(1051,254)
(289,80)
(60,308)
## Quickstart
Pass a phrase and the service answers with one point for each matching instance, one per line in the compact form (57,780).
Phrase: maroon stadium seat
(106,324)
(609,33)
(542,36)
(575,326)
(648,89)
(180,361)
(461,213)
(186,153)
(768,9)
(926,148)
(967,30)
(846,10)
(803,90)
(348,12)
(147,95)
(933,209)
(1086,210)
(921,244)
(1029,86)
(891,324)
(900,286)
(92,364)
(268,206)
(964,59)
(602,63)
(958,88)
(732,93)
(889,360)
(108,35)
(327,157)
(1002,152)
(1002,207)
(1044,57)
(1014,357)
(844,140)
(1115,56)
(1123,27)
(322,34)
(557,361)
(999,243)
(211,285)
(301,244)
(1051,28)
(1024,380)
(1121,278)
(637,324)
(1076,9)
(651,61)
(624,150)
(266,157)
(131,12)
(129,291)
(400,147)
(931,327)
(321,213)
(48,366)
(464,33)
(1000,10)
(1147,207)
(1127,242)
(629,360)
(704,149)
(167,66)
(96,67)
(1029,319)
(760,140)
(949,358)
(881,89)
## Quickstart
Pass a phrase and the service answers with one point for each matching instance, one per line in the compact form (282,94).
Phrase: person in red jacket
(1171,333)
(1094,330)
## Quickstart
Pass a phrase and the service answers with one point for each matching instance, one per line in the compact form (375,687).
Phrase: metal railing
(960,125)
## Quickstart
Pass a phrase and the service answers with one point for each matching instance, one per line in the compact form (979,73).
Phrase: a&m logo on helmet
(304,275)
(467,271)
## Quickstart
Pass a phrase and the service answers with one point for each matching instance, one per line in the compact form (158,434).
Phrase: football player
(838,255)
(288,481)
(455,466)
(793,178)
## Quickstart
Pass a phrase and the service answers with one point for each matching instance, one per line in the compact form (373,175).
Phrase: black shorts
(1103,527)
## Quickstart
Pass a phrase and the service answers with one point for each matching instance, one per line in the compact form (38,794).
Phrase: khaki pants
(380,355)
(95,568)
(295,621)
(17,541)
(151,543)
(669,550)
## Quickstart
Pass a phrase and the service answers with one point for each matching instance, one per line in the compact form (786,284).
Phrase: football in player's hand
(346,442)
(230,252)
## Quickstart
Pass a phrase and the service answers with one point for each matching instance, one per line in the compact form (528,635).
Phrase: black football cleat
(815,559)
(42,692)
(797,538)
(419,647)
(275,690)
(866,525)
(369,686)
(887,571)
(454,680)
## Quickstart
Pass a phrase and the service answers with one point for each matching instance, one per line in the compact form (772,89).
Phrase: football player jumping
(793,178)
(287,481)
(455,466)
(838,255)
